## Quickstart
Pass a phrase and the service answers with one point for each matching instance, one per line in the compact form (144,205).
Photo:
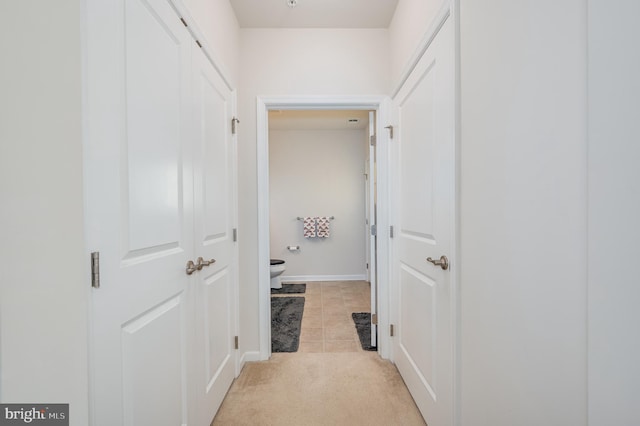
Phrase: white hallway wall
(523,213)
(614,210)
(219,26)
(281,62)
(406,30)
(318,173)
(43,297)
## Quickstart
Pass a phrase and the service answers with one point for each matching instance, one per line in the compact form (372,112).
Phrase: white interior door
(160,179)
(216,289)
(372,232)
(139,213)
(423,341)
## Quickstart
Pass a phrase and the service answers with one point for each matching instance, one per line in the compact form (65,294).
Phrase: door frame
(379,104)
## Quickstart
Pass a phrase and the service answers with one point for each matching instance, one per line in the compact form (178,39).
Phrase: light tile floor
(327,325)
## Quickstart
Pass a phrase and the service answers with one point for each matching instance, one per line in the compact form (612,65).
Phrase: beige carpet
(309,389)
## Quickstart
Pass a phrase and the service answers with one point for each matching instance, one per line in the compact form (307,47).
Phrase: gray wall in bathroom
(318,173)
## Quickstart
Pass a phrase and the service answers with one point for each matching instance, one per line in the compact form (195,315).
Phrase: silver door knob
(191,267)
(443,262)
(202,263)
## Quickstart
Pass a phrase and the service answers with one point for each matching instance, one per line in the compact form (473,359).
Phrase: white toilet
(277,268)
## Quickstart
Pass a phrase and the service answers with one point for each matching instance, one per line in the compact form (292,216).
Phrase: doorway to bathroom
(317,162)
(320,223)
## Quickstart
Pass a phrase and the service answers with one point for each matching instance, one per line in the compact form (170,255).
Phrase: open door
(425,194)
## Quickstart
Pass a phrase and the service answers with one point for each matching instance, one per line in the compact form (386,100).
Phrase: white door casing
(367,218)
(425,174)
(264,104)
(373,215)
(148,135)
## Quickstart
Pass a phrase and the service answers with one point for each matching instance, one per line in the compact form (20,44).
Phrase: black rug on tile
(286,320)
(363,326)
(290,289)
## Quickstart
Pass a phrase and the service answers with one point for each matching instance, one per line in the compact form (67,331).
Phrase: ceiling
(317,119)
(314,13)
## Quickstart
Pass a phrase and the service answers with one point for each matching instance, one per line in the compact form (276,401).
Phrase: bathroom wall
(318,173)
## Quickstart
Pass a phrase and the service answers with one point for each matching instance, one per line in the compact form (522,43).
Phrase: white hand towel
(309,227)
(322,223)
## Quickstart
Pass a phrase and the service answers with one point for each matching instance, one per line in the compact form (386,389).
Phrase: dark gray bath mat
(290,289)
(363,326)
(286,319)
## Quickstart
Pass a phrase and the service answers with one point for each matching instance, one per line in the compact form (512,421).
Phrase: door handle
(191,267)
(202,263)
(443,262)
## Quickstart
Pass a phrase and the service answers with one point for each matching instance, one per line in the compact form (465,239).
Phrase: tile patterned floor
(327,325)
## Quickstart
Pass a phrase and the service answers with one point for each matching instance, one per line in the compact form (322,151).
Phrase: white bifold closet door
(216,296)
(159,162)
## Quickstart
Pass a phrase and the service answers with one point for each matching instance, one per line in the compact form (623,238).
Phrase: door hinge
(235,234)
(236,342)
(199,44)
(391,231)
(367,265)
(95,269)
(184,22)
(372,140)
(391,330)
(374,319)
(234,123)
(390,127)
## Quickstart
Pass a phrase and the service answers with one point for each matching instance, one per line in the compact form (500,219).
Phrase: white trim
(455,268)
(297,278)
(381,105)
(264,277)
(236,247)
(249,356)
(424,44)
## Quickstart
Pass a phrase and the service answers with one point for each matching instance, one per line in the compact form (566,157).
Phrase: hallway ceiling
(314,13)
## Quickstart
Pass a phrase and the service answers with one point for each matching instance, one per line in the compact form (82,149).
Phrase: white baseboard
(248,357)
(308,278)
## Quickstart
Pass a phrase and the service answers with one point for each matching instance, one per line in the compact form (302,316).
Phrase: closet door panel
(216,284)
(139,211)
